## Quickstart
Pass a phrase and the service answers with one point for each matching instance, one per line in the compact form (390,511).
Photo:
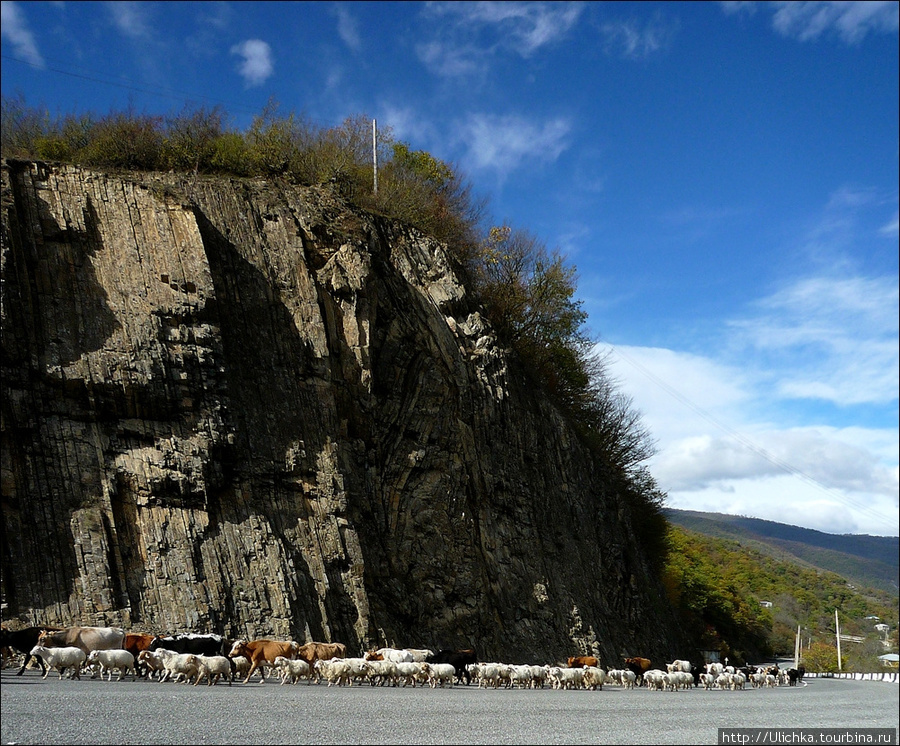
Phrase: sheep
(708,680)
(107,660)
(593,678)
(381,672)
(655,679)
(61,659)
(391,654)
(521,676)
(292,669)
(565,678)
(214,667)
(678,665)
(440,673)
(408,672)
(334,671)
(242,667)
(153,663)
(184,666)
(539,676)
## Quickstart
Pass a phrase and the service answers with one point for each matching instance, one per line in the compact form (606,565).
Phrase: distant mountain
(872,561)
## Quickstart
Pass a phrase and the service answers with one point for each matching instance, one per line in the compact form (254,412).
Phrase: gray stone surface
(244,407)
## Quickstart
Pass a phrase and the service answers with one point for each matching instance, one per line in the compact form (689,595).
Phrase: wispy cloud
(348,28)
(851,21)
(835,339)
(14,27)
(502,143)
(470,32)
(257,65)
(637,40)
(892,227)
(130,18)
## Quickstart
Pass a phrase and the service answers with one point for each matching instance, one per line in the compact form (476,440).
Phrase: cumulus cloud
(503,143)
(14,27)
(257,65)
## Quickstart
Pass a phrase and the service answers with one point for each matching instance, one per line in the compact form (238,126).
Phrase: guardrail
(891,678)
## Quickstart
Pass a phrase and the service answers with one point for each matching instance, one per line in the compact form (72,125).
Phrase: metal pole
(374,160)
(837,630)
(797,648)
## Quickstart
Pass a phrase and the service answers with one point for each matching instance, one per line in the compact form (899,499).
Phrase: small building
(890,660)
(766,604)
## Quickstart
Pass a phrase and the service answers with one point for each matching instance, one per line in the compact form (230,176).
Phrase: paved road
(50,711)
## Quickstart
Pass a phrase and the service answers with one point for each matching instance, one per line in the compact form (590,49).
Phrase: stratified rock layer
(245,407)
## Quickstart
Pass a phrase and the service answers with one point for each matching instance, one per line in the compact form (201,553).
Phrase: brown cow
(136,643)
(260,652)
(321,651)
(580,661)
(639,666)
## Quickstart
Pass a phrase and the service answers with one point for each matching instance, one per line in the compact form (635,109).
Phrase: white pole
(797,648)
(837,629)
(374,159)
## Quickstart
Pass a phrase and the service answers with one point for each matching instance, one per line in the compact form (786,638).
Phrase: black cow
(24,640)
(191,643)
(795,675)
(459,659)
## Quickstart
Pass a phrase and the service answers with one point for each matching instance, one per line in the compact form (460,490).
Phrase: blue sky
(724,177)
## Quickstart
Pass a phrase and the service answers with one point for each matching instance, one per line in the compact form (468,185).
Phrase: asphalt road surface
(50,711)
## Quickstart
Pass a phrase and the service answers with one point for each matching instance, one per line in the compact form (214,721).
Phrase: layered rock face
(244,407)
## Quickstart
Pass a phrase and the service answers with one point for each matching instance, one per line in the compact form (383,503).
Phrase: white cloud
(449,60)
(257,65)
(503,143)
(721,442)
(851,21)
(130,18)
(834,339)
(522,28)
(348,28)
(633,40)
(892,227)
(14,27)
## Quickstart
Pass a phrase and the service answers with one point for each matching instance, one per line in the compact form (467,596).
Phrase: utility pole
(374,159)
(797,648)
(837,631)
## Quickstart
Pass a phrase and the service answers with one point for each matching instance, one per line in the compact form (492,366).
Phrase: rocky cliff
(245,407)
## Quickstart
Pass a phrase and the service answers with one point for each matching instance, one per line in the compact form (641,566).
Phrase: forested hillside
(864,560)
(723,588)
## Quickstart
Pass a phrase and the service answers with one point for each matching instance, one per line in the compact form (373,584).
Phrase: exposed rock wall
(245,407)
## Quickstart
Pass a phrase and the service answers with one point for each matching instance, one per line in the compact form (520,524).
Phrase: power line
(747,443)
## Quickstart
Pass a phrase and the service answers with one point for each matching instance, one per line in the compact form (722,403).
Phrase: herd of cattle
(194,658)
